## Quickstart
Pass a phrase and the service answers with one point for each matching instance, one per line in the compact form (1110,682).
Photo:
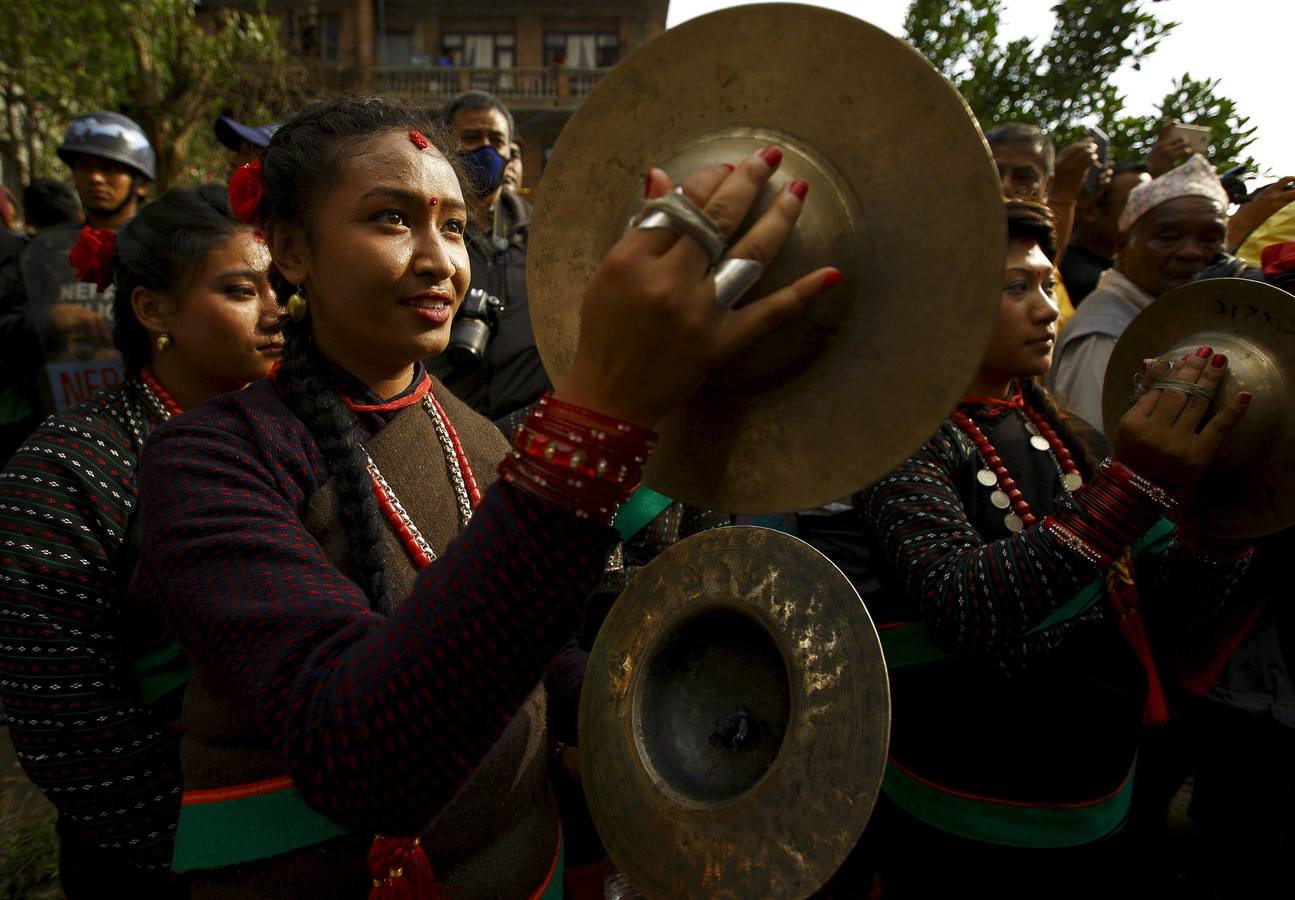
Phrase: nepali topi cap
(1194,178)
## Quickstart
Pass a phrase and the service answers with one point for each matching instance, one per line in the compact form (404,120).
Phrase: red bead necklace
(1005,493)
(167,406)
(461,478)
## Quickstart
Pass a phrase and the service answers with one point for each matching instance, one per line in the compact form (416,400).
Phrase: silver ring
(675,212)
(1187,387)
(733,278)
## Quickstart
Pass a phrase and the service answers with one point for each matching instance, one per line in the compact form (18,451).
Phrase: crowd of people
(302,552)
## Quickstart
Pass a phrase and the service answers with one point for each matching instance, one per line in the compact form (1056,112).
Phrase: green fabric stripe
(1008,826)
(911,644)
(1080,603)
(228,832)
(555,889)
(642,507)
(160,672)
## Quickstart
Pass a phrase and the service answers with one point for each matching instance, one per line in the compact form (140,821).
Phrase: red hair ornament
(91,256)
(418,139)
(246,192)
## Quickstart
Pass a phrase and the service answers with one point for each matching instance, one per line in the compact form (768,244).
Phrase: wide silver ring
(1187,387)
(675,212)
(733,278)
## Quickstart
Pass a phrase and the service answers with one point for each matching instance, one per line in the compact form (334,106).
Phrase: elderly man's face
(1171,243)
(1023,171)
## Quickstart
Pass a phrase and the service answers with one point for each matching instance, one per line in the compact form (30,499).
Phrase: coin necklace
(1006,495)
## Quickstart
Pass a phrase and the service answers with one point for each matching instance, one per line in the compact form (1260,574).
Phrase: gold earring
(163,341)
(297,307)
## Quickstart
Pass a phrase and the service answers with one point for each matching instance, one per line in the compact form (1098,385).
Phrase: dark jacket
(511,376)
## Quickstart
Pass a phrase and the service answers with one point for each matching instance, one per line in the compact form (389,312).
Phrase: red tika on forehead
(418,140)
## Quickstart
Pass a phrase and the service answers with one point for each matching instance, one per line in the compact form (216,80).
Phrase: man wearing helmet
(56,331)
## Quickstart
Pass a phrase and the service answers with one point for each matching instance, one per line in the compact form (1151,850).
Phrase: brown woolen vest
(496,839)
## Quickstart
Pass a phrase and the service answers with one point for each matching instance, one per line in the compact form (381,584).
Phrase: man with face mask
(492,363)
(55,330)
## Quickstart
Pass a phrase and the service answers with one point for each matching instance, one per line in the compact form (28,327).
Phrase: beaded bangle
(577,458)
(1153,492)
(1075,543)
(1112,515)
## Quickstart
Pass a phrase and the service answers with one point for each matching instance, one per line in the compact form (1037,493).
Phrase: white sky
(1246,43)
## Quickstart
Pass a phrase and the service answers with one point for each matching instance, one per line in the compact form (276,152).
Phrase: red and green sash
(997,820)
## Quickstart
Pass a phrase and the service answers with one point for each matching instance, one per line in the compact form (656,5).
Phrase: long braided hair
(306,155)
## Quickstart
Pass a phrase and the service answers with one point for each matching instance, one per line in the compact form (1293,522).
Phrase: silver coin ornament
(987,478)
(1072,481)
(1013,523)
(1000,499)
(1039,442)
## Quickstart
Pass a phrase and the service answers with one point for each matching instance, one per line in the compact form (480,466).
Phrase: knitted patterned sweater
(378,719)
(68,631)
(1033,715)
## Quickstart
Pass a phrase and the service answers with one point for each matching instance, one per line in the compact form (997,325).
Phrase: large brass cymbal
(1249,490)
(903,198)
(736,631)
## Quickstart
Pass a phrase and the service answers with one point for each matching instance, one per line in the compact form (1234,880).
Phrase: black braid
(305,157)
(306,392)
(1083,439)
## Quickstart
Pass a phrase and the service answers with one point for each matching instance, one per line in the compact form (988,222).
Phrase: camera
(473,326)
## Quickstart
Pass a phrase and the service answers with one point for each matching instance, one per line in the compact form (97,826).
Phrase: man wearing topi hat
(1171,229)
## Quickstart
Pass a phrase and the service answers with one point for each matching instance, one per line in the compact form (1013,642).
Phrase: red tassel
(400,869)
(1123,594)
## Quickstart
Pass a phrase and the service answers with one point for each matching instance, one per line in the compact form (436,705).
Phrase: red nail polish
(727,167)
(1244,398)
(832,279)
(1219,361)
(772,156)
(1204,352)
(799,187)
(1186,356)
(647,183)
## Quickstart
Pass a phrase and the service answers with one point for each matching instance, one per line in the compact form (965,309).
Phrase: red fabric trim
(238,791)
(886,626)
(1001,801)
(553,869)
(410,399)
(1015,401)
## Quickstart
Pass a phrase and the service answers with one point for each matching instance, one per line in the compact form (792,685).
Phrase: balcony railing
(559,87)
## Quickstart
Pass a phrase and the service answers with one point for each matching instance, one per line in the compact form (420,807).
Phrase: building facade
(540,57)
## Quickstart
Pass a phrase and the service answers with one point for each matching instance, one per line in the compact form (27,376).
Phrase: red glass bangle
(578,459)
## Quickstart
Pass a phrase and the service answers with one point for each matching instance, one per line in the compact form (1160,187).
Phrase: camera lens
(468,339)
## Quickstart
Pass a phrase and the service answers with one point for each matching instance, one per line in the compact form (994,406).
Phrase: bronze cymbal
(904,199)
(734,720)
(1249,490)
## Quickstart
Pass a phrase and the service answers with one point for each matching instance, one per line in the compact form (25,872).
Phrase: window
(479,50)
(582,50)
